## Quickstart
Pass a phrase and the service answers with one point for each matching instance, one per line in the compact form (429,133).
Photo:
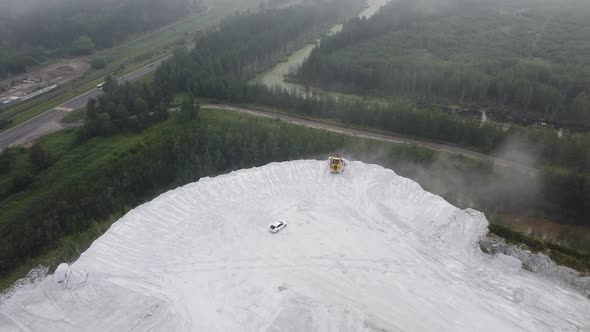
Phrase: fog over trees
(34,31)
(530,57)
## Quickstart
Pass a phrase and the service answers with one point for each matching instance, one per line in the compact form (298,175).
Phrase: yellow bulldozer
(337,164)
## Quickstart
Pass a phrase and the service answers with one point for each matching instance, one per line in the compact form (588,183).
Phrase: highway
(50,121)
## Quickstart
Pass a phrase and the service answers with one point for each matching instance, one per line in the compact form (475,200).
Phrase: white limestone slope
(363,251)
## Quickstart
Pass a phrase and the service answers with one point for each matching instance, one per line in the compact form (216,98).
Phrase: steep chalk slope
(365,250)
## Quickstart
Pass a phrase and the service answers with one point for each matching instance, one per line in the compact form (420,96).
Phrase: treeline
(465,52)
(72,27)
(174,153)
(396,116)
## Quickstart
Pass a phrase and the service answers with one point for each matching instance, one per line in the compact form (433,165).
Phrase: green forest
(531,62)
(70,27)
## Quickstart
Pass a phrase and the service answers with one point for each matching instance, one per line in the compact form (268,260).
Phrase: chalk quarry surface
(366,250)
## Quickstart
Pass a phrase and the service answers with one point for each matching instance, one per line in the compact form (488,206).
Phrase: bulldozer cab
(336,164)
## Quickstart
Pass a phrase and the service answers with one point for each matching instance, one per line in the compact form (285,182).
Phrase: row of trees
(466,53)
(398,116)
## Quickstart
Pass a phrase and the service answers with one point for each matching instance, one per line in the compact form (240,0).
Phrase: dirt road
(320,124)
(49,122)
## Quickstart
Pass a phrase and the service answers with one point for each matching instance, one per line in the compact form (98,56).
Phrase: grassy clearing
(75,116)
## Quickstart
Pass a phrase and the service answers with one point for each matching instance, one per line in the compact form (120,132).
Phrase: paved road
(42,124)
(49,121)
